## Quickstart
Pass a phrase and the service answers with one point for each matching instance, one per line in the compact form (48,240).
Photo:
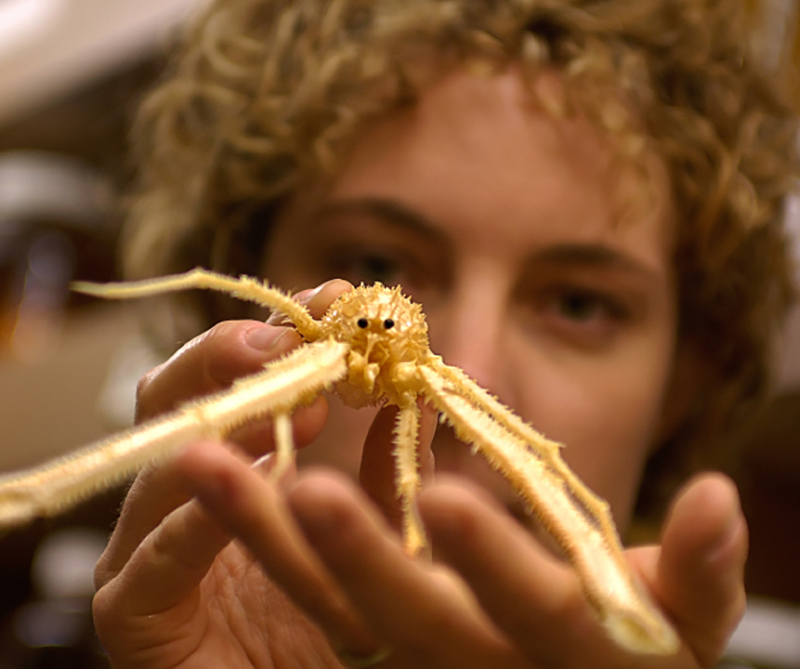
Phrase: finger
(424,612)
(211,362)
(528,593)
(253,510)
(318,300)
(154,494)
(700,570)
(378,472)
(169,564)
(166,567)
(227,351)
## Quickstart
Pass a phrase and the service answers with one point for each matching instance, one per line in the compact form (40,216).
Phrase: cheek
(604,411)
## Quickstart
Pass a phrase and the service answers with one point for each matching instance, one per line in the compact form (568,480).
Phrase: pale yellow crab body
(388,340)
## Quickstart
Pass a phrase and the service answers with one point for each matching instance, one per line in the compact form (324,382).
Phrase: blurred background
(71,72)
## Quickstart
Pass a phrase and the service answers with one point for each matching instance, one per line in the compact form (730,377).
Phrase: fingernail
(265,463)
(269,465)
(305,298)
(278,319)
(265,338)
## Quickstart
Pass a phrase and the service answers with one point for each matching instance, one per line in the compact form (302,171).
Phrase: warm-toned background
(70,74)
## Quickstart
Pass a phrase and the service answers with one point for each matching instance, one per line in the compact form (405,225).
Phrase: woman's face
(507,225)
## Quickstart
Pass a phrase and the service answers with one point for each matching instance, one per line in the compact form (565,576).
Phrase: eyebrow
(595,256)
(388,211)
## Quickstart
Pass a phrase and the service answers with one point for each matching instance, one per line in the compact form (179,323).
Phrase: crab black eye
(363,323)
(388,323)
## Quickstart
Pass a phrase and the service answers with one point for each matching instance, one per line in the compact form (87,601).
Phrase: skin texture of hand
(172,590)
(175,591)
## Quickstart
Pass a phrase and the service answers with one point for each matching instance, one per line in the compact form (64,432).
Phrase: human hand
(493,597)
(173,591)
(529,609)
(331,549)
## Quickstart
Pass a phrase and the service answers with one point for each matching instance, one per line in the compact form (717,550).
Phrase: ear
(691,379)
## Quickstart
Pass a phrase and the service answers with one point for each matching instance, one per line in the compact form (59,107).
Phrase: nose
(467,330)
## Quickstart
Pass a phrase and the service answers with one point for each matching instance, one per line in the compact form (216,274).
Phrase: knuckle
(110,563)
(101,573)
(107,616)
(101,607)
(220,334)
(145,395)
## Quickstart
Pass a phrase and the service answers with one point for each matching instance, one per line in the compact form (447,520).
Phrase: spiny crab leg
(62,483)
(578,520)
(406,437)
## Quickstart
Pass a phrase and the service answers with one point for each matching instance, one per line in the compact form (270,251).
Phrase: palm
(234,618)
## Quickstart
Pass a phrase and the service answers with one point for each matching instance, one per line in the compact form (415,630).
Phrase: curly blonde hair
(266,95)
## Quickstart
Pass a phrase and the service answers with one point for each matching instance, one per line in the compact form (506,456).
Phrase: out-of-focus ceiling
(51,47)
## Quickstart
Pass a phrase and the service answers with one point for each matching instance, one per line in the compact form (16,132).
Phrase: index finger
(211,362)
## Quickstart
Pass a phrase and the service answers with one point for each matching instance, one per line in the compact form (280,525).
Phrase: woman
(585,197)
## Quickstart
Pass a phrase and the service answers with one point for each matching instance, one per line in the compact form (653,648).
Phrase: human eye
(368,250)
(368,266)
(583,306)
(580,315)
(388,265)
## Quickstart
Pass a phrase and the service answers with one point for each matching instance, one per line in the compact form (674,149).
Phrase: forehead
(482,160)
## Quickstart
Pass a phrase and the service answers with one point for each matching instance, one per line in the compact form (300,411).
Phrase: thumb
(700,574)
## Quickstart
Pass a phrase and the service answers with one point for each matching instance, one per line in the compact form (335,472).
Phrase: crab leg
(284,444)
(406,438)
(283,385)
(575,517)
